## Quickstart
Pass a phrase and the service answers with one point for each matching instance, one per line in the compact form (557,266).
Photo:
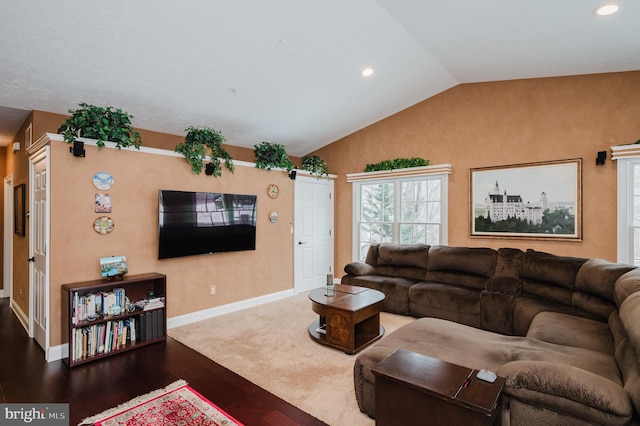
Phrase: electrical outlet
(212,290)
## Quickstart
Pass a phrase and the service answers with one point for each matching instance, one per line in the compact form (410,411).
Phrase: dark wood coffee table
(411,387)
(348,321)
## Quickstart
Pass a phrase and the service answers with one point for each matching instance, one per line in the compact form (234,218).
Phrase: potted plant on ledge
(315,165)
(272,156)
(398,163)
(101,123)
(194,149)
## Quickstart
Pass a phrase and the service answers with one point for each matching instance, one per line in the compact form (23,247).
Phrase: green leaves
(398,163)
(272,156)
(194,149)
(315,165)
(101,123)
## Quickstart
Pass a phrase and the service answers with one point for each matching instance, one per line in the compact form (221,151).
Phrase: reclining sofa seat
(575,359)
(455,278)
(391,269)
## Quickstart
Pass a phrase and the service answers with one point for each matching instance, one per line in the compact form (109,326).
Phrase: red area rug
(177,404)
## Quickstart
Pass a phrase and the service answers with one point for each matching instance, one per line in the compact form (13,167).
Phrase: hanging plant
(398,163)
(272,156)
(100,123)
(194,149)
(315,165)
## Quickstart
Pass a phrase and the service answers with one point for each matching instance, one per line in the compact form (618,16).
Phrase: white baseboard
(62,351)
(22,317)
(58,352)
(227,309)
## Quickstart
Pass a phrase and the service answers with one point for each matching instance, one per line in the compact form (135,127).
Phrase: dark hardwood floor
(94,387)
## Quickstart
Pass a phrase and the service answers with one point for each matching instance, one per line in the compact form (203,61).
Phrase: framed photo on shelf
(113,266)
(534,201)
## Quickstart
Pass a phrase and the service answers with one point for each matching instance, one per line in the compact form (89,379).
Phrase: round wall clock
(103,225)
(273,191)
(103,181)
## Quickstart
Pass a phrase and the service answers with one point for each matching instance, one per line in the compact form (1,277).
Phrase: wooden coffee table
(348,321)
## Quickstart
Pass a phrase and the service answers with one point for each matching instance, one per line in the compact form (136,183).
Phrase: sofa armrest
(503,284)
(359,268)
(565,389)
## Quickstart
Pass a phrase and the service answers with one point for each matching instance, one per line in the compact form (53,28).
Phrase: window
(407,209)
(628,157)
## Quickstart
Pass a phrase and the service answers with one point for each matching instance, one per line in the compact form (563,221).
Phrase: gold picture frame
(540,200)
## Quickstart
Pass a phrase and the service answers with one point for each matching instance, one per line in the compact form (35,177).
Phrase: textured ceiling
(288,71)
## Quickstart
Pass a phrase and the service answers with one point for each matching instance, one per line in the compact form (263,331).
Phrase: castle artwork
(537,200)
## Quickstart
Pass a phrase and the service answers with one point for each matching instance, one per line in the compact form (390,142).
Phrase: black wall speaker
(78,149)
(602,156)
(292,175)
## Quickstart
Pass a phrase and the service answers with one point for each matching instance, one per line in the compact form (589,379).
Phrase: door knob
(301,242)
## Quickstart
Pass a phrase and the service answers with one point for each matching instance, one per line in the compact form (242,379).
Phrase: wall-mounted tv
(192,223)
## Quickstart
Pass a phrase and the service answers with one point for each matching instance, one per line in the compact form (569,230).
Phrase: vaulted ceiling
(289,71)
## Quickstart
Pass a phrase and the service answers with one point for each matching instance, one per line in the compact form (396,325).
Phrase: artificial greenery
(194,149)
(398,163)
(272,156)
(101,123)
(315,165)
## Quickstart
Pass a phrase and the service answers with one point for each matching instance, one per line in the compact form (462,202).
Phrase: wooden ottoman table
(348,321)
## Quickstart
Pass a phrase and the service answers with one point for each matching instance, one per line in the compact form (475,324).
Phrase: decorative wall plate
(103,225)
(103,181)
(273,191)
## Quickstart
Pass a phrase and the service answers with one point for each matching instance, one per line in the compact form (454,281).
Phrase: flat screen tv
(192,223)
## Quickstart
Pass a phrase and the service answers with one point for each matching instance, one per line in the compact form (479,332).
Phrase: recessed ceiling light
(367,72)
(606,9)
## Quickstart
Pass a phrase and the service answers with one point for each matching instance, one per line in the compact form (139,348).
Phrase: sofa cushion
(461,266)
(626,285)
(528,306)
(560,388)
(598,277)
(509,262)
(445,297)
(403,255)
(569,330)
(445,301)
(548,268)
(626,358)
(395,289)
(359,268)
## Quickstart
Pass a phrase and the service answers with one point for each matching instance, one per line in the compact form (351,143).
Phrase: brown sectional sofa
(563,331)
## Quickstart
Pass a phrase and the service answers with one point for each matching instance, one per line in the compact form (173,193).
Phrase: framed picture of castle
(533,200)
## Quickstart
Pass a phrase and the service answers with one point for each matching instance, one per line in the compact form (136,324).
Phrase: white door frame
(297,214)
(7,260)
(41,155)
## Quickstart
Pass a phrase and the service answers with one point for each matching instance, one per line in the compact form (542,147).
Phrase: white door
(7,278)
(38,242)
(313,235)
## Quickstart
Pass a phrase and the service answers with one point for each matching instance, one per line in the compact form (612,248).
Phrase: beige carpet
(270,346)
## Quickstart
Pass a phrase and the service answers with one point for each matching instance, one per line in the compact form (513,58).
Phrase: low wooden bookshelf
(97,324)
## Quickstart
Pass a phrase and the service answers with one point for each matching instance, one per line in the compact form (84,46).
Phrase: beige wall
(76,248)
(502,123)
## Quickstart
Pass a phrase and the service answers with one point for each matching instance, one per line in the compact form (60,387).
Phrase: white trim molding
(412,171)
(625,151)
